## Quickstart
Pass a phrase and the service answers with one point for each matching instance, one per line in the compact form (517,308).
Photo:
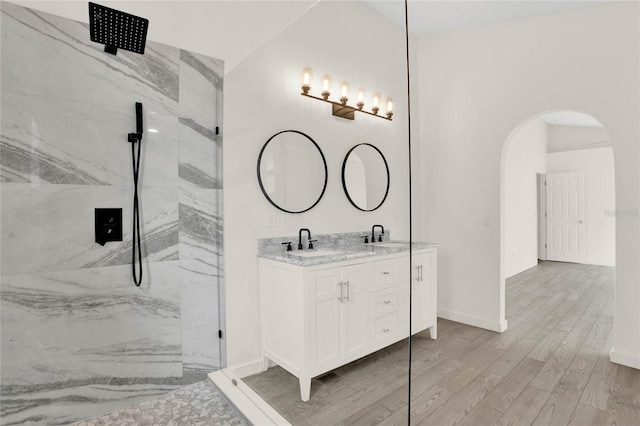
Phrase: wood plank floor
(550,368)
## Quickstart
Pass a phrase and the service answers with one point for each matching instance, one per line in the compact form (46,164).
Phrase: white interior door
(542,215)
(565,217)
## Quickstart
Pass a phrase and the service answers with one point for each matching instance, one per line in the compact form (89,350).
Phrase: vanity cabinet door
(424,291)
(356,311)
(340,315)
(326,318)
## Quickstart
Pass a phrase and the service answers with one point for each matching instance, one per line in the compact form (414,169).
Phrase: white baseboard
(254,408)
(600,262)
(248,369)
(623,358)
(498,326)
(509,274)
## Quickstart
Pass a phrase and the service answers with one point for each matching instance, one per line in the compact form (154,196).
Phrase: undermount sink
(391,244)
(316,253)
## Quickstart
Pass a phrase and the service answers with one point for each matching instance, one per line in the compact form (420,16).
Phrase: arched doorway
(557,198)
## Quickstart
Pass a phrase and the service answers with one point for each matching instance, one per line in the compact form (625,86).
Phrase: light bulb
(326,87)
(306,80)
(360,103)
(344,93)
(376,103)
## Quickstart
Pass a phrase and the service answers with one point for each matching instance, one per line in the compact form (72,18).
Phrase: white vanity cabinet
(316,318)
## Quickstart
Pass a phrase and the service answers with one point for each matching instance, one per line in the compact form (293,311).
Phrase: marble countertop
(339,253)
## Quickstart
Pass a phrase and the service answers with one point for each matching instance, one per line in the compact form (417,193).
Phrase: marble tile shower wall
(78,338)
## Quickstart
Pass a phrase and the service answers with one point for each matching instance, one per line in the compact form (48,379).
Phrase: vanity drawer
(385,329)
(384,273)
(384,302)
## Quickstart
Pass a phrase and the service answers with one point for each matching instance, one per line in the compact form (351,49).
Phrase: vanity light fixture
(341,109)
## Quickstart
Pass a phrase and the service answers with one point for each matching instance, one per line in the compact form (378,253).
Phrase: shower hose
(137,278)
(136,139)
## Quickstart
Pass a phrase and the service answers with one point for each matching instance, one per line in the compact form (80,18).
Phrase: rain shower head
(117,30)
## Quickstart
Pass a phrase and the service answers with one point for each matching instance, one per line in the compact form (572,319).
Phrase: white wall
(571,138)
(262,97)
(524,158)
(476,86)
(600,201)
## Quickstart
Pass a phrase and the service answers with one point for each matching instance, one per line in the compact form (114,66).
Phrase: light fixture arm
(343,110)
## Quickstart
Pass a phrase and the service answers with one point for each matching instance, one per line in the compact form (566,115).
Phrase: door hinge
(217,130)
(219,334)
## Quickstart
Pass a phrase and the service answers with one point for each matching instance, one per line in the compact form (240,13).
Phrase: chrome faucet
(373,233)
(300,237)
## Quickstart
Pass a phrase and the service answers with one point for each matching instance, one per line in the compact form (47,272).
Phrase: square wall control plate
(108,225)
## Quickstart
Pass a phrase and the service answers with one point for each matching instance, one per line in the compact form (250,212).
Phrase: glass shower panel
(321,334)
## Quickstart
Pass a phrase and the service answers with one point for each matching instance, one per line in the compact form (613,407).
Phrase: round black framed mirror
(292,171)
(365,177)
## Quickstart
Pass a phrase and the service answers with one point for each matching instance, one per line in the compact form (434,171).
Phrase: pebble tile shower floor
(199,404)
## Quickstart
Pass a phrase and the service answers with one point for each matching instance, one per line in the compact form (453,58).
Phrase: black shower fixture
(108,225)
(117,30)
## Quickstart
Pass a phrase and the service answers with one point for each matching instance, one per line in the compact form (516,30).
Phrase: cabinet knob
(386,302)
(386,330)
(386,272)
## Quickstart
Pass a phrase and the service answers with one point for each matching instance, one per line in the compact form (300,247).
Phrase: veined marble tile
(78,401)
(48,140)
(78,338)
(94,315)
(201,349)
(199,163)
(199,295)
(201,81)
(75,341)
(50,56)
(51,227)
(200,225)
(200,275)
(200,320)
(200,113)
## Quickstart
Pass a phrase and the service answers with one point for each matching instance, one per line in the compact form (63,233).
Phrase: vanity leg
(433,330)
(305,388)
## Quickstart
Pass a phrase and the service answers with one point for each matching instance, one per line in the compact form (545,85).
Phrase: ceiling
(427,17)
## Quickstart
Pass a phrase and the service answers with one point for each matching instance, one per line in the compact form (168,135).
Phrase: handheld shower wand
(139,118)
(136,138)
